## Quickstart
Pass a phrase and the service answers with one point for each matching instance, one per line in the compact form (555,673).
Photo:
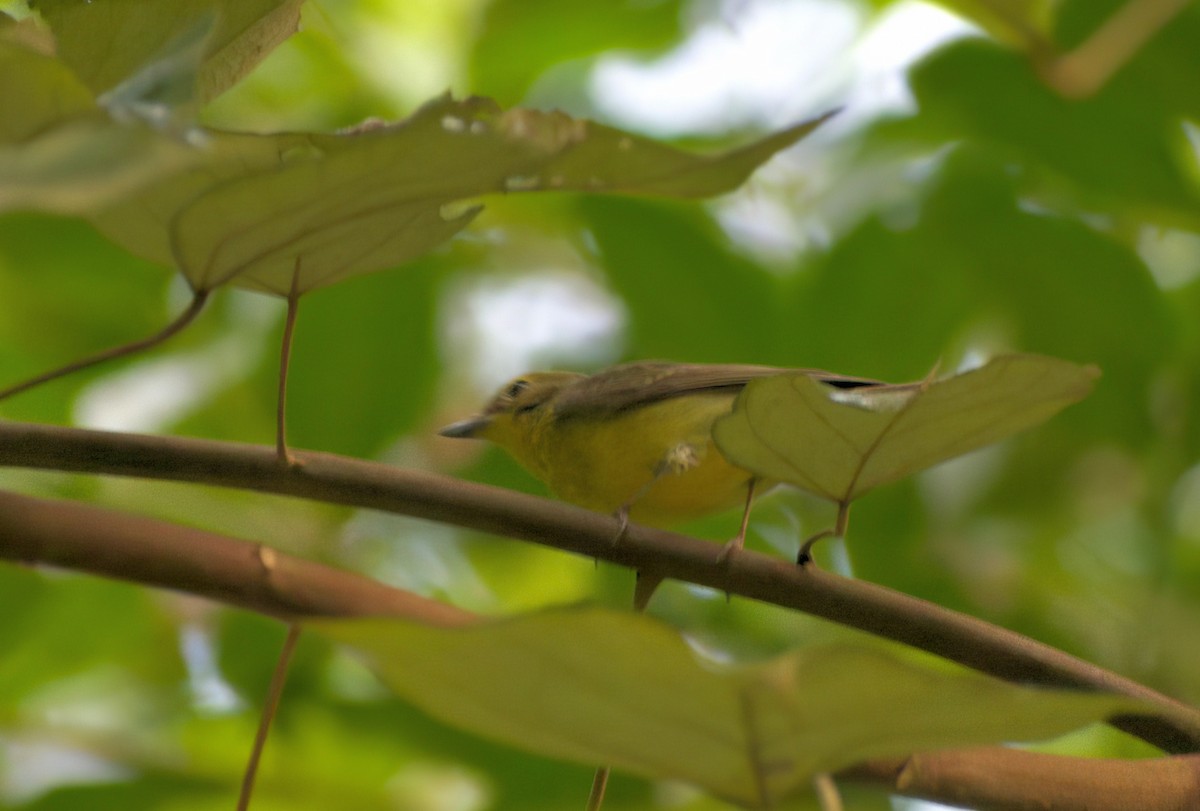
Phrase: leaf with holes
(260,209)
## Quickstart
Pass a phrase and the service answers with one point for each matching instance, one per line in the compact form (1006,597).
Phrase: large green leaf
(107,42)
(142,223)
(597,686)
(840,443)
(260,209)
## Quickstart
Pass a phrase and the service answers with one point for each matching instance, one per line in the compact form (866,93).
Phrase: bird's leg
(681,458)
(739,540)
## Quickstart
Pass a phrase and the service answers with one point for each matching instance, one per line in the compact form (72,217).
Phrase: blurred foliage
(598,686)
(990,214)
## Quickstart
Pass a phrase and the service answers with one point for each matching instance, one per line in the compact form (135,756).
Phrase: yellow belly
(619,461)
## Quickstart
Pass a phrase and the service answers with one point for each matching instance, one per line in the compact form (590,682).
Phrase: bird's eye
(526,408)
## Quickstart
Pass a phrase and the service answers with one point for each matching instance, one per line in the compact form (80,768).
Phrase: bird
(633,440)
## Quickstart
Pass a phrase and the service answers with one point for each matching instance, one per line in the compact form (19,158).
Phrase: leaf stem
(186,317)
(285,359)
(1085,70)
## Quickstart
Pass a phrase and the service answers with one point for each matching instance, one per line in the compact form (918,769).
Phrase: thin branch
(599,785)
(155,553)
(858,604)
(827,792)
(1083,71)
(270,706)
(133,347)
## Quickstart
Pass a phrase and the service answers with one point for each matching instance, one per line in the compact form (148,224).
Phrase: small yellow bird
(634,440)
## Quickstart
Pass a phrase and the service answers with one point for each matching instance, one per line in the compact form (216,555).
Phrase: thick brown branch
(155,553)
(340,480)
(996,779)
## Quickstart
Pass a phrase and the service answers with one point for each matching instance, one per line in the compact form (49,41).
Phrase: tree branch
(339,480)
(164,555)
(1000,779)
(249,575)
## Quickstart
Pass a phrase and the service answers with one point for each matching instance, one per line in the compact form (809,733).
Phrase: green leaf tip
(842,443)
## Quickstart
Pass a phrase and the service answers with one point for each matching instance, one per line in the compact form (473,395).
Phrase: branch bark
(249,575)
(339,480)
(999,779)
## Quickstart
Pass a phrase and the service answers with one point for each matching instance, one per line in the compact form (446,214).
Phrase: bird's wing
(635,384)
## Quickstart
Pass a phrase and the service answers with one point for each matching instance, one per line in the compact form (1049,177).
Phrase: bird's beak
(465,429)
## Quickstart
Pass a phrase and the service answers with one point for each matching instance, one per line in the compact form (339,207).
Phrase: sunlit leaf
(596,686)
(263,208)
(107,42)
(841,443)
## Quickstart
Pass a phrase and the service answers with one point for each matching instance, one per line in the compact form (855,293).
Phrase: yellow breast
(633,458)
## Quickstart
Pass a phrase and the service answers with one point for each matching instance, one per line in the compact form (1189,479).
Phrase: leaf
(58,151)
(1020,23)
(142,224)
(1121,149)
(36,89)
(596,686)
(841,443)
(83,163)
(519,40)
(107,42)
(648,247)
(335,206)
